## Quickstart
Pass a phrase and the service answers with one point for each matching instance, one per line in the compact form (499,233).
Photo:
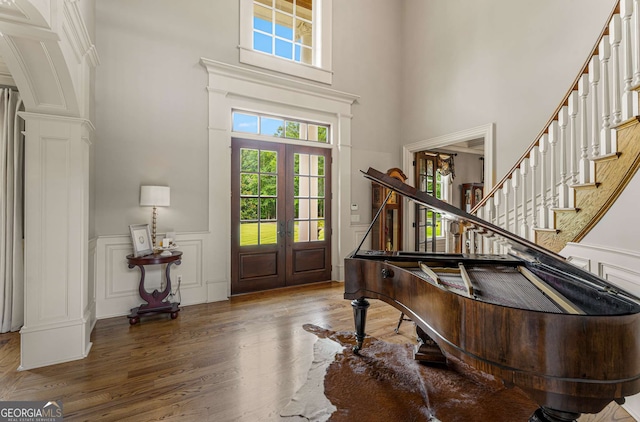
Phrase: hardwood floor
(240,360)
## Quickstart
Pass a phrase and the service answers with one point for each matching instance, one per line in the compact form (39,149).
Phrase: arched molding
(47,50)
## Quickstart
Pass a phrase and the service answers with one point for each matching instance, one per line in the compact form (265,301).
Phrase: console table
(155,300)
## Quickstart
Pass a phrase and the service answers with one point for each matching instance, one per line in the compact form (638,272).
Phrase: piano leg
(545,414)
(360,307)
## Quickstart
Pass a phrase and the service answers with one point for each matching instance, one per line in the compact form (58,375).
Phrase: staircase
(587,152)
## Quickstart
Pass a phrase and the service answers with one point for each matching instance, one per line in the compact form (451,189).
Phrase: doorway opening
(479,140)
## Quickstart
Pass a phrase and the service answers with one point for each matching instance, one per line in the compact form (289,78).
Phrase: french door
(280,215)
(428,224)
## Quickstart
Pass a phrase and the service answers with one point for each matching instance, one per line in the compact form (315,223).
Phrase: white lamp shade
(155,196)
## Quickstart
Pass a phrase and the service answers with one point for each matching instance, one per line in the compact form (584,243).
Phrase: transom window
(284,28)
(261,124)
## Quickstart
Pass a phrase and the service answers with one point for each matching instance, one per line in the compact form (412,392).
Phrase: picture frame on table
(141,239)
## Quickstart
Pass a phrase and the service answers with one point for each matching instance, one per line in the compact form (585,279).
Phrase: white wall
(506,62)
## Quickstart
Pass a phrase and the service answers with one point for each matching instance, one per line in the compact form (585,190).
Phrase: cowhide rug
(385,383)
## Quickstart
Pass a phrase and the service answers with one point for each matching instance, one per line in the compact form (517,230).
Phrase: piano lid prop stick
(556,296)
(373,222)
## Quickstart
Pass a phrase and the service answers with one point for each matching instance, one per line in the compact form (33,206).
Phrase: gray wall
(151,108)
(421,68)
(470,63)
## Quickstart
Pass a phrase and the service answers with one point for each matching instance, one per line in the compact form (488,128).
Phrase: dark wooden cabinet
(386,233)
(471,194)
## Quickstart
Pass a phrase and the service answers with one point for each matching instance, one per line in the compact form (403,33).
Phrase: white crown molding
(249,75)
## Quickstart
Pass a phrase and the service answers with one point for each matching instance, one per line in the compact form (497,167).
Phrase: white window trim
(321,69)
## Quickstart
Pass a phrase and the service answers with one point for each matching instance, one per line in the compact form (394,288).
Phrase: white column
(594,79)
(57,305)
(605,132)
(524,169)
(584,175)
(615,37)
(629,97)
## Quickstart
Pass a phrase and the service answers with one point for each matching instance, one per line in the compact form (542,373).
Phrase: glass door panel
(280,215)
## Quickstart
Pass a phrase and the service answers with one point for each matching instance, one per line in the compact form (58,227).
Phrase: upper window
(288,36)
(284,28)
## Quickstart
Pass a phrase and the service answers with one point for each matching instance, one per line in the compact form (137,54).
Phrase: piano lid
(519,246)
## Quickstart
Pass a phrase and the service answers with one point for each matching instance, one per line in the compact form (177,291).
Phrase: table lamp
(154,196)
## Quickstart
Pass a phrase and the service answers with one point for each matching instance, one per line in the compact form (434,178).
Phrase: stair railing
(581,131)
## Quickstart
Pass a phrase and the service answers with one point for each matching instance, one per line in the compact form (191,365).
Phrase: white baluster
(515,184)
(573,138)
(604,51)
(495,244)
(476,244)
(585,163)
(629,96)
(615,37)
(524,169)
(490,218)
(553,164)
(533,163)
(636,42)
(496,203)
(505,192)
(594,79)
(563,191)
(543,147)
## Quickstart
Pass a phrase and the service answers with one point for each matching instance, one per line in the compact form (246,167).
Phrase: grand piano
(566,337)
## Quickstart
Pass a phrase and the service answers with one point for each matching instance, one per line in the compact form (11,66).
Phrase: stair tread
(606,157)
(538,229)
(565,209)
(585,185)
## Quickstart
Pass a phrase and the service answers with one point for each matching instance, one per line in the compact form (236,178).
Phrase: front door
(281,221)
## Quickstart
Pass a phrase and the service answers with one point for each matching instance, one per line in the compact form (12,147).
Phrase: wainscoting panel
(619,267)
(116,285)
(626,278)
